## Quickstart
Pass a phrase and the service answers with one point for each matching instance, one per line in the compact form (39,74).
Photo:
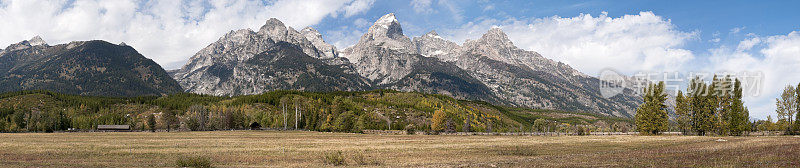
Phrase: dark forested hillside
(320,111)
(96,68)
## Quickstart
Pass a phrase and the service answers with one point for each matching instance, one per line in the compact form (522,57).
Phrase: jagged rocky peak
(432,34)
(387,32)
(222,67)
(277,31)
(36,41)
(383,54)
(389,24)
(311,33)
(433,45)
(495,44)
(238,34)
(316,38)
(273,27)
(496,36)
(25,44)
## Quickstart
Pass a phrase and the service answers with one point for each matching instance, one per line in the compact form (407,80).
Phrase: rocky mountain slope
(490,68)
(230,67)
(526,78)
(373,54)
(433,45)
(95,68)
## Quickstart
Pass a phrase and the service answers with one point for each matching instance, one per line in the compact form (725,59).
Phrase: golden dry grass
(306,149)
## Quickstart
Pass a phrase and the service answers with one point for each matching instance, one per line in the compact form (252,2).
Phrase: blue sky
(627,36)
(707,17)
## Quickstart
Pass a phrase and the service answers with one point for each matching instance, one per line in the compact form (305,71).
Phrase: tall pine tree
(702,115)
(719,95)
(739,119)
(683,111)
(651,117)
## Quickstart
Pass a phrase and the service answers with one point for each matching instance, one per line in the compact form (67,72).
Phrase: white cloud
(422,6)
(748,44)
(736,30)
(361,23)
(169,32)
(344,37)
(357,7)
(715,38)
(630,43)
(488,7)
(455,11)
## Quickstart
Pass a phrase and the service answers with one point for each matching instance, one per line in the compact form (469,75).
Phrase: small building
(113,127)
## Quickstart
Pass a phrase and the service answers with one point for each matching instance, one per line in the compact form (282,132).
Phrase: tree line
(45,111)
(705,109)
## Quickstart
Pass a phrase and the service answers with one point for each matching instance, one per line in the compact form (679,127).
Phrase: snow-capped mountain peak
(386,20)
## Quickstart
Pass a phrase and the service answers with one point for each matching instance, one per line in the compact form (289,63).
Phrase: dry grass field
(308,149)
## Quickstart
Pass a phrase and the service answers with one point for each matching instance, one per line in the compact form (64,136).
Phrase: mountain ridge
(490,68)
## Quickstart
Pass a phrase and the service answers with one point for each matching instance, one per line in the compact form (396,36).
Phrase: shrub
(360,159)
(334,158)
(197,162)
(429,132)
(410,129)
(580,130)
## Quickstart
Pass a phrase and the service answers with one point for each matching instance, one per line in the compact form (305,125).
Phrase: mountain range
(278,57)
(490,68)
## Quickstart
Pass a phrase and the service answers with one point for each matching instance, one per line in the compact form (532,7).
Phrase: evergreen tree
(169,119)
(719,105)
(702,113)
(684,112)
(151,122)
(651,117)
(739,116)
(727,112)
